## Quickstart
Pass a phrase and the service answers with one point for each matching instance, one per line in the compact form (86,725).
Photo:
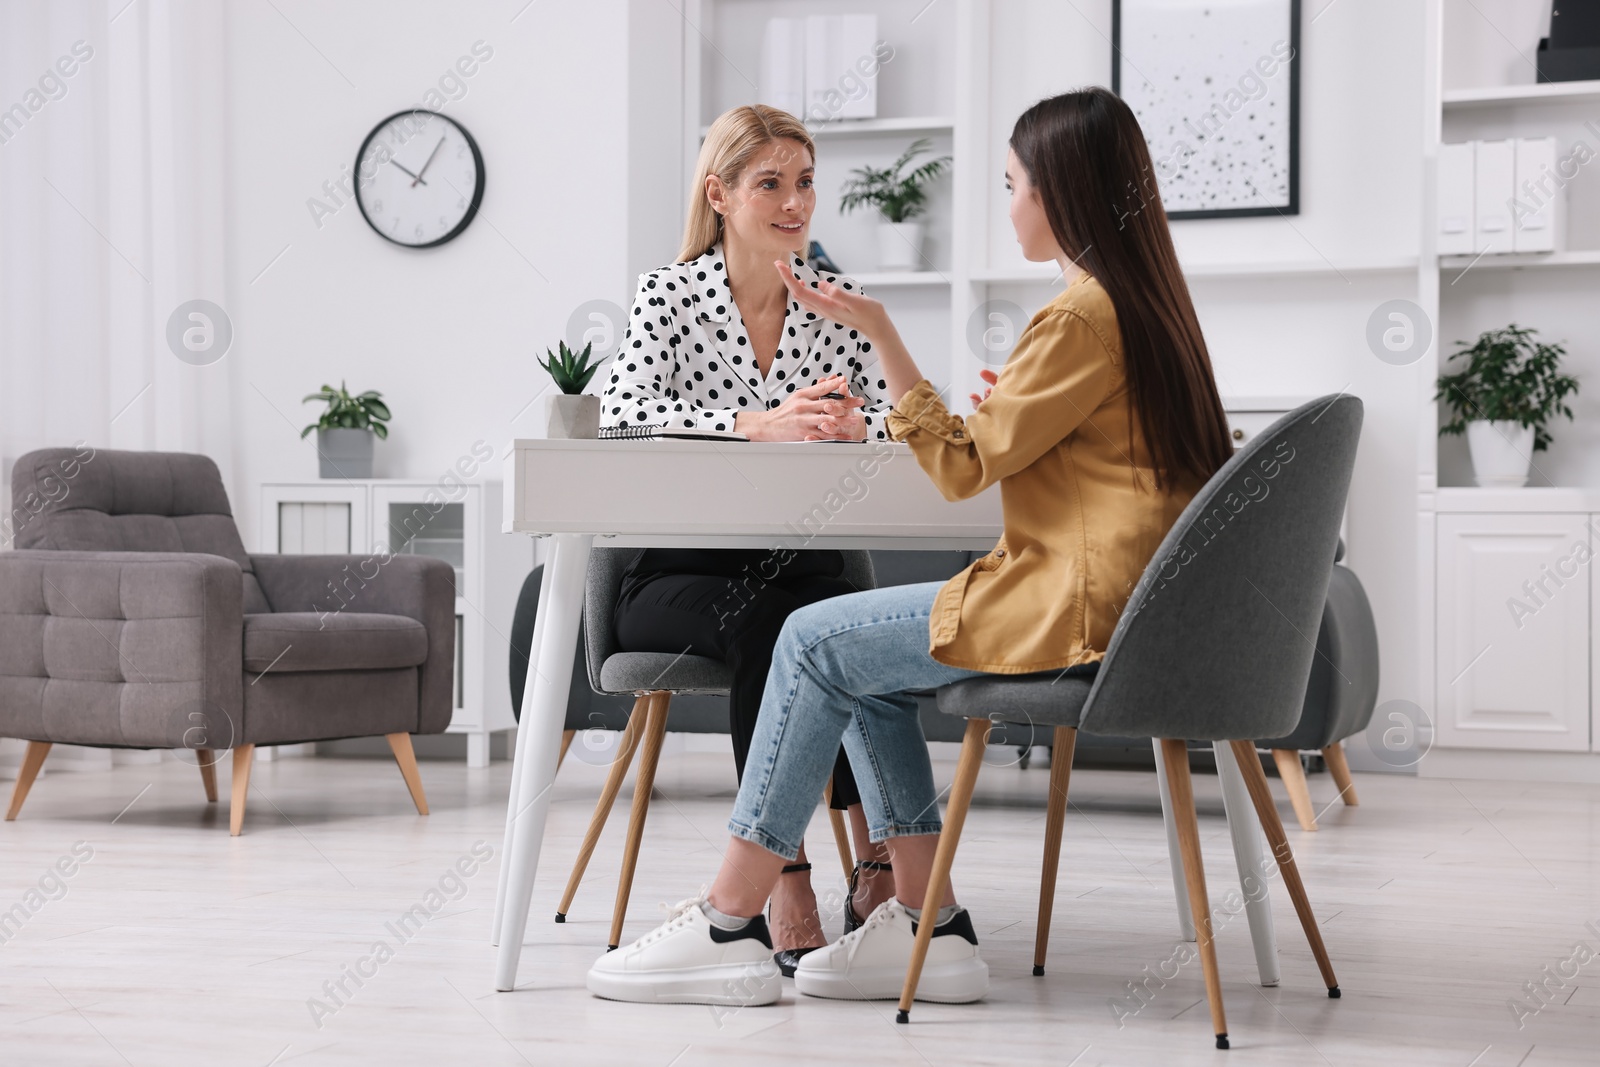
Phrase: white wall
(449,335)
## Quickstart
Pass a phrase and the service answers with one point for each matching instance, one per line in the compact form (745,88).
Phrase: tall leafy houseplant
(900,197)
(1506,392)
(572,413)
(346,429)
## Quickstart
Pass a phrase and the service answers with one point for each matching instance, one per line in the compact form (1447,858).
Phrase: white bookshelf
(1584,92)
(1497,682)
(1525,260)
(364,516)
(869,127)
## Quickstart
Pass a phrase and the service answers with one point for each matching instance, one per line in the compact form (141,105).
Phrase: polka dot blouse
(687,362)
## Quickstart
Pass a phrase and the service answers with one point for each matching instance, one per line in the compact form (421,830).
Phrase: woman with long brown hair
(1103,424)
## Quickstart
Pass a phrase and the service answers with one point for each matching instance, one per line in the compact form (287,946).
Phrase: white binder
(1493,186)
(1455,203)
(838,49)
(783,65)
(1538,215)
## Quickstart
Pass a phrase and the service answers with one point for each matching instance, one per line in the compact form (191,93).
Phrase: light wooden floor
(177,945)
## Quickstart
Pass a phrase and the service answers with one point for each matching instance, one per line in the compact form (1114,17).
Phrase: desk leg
(524,721)
(1252,859)
(1174,855)
(539,743)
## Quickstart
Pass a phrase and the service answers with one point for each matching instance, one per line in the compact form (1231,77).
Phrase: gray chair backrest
(100,500)
(1217,639)
(603,585)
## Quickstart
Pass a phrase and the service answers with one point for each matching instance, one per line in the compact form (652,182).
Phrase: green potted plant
(1509,389)
(899,199)
(346,429)
(571,413)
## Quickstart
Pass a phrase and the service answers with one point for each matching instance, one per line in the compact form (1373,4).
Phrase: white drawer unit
(458,522)
(1513,639)
(1249,415)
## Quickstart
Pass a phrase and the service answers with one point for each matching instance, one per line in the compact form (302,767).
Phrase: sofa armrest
(416,587)
(138,649)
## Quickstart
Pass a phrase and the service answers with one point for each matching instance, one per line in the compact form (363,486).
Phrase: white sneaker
(689,960)
(870,963)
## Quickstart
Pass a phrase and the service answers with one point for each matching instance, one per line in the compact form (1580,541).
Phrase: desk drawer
(1244,425)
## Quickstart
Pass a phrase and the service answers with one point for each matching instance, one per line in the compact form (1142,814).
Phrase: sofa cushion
(340,641)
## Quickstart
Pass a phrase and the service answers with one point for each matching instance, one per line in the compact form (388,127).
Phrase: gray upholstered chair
(1213,645)
(652,678)
(132,617)
(1340,696)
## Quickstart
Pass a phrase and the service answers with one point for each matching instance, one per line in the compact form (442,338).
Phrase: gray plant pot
(345,453)
(573,415)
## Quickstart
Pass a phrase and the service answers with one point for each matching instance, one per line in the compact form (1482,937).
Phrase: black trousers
(715,617)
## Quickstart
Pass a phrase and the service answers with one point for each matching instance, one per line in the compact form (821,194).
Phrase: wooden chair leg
(32,760)
(654,734)
(1066,740)
(243,758)
(626,746)
(1294,780)
(1256,782)
(1333,756)
(566,743)
(841,839)
(944,856)
(406,757)
(1175,758)
(208,772)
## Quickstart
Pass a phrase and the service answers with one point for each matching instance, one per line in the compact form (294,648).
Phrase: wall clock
(419,178)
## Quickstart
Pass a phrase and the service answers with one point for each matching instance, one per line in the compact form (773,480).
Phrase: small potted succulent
(571,413)
(899,199)
(346,429)
(1509,389)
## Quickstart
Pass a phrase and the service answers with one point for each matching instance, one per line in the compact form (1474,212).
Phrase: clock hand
(416,177)
(425,165)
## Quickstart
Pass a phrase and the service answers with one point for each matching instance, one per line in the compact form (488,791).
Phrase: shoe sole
(961,982)
(733,985)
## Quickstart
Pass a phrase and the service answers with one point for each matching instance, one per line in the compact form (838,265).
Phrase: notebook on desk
(650,431)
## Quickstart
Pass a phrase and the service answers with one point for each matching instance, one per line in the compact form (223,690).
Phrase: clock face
(419,178)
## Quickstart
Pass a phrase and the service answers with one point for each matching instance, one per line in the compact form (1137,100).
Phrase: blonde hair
(733,140)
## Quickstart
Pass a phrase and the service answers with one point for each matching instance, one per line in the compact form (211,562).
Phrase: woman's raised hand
(990,377)
(833,303)
(805,416)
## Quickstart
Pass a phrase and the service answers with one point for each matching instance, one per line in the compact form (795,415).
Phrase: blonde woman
(715,341)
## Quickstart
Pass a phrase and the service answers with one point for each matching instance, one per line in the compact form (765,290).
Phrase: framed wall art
(1216,86)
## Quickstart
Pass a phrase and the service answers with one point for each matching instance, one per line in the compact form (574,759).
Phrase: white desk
(632,494)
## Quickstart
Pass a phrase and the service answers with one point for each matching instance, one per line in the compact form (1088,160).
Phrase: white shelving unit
(1523,261)
(867,127)
(1585,92)
(459,524)
(1508,616)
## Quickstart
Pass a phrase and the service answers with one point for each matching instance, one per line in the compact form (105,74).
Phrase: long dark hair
(1086,155)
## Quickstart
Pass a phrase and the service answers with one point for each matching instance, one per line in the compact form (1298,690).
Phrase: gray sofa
(132,617)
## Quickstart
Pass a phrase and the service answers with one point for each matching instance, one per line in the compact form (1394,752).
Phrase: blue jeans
(843,667)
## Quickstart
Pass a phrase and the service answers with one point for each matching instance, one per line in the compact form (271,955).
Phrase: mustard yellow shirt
(1082,513)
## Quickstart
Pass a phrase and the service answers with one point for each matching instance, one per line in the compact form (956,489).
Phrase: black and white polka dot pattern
(686,361)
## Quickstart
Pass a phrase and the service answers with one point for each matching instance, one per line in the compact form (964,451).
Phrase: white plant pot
(573,416)
(1501,453)
(900,246)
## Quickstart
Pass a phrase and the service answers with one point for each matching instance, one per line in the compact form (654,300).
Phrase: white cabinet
(450,520)
(1514,649)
